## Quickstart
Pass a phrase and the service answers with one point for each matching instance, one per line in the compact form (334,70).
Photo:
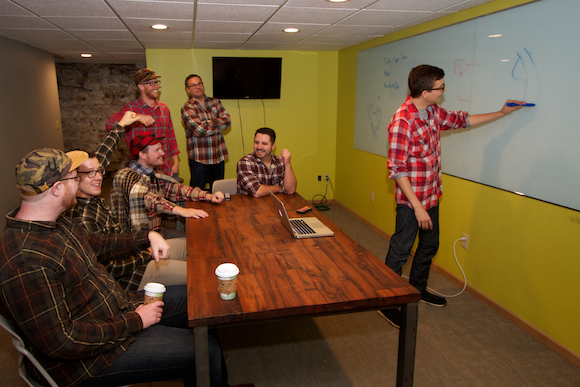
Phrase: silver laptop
(309,227)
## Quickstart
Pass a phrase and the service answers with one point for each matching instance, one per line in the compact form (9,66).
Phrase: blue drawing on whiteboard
(525,71)
(374,116)
(394,85)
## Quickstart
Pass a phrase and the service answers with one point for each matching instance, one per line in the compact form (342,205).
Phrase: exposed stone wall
(89,94)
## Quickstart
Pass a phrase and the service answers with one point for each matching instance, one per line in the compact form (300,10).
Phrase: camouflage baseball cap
(144,75)
(41,168)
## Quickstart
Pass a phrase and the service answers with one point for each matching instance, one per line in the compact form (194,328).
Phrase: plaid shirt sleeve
(161,197)
(252,173)
(106,149)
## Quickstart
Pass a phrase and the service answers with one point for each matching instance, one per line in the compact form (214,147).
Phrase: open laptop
(309,227)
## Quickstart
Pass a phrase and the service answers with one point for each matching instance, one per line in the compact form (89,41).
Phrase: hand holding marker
(517,104)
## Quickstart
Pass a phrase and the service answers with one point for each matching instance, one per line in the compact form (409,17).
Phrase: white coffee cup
(227,280)
(154,291)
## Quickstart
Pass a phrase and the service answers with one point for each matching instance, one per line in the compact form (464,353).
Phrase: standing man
(414,161)
(261,172)
(141,197)
(153,116)
(205,119)
(93,213)
(75,319)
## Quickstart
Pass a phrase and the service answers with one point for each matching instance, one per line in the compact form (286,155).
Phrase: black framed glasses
(91,174)
(152,83)
(200,84)
(77,178)
(438,88)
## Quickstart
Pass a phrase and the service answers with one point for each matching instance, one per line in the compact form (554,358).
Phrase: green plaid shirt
(73,316)
(95,215)
(141,199)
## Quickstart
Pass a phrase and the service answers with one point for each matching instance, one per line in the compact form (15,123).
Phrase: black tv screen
(247,78)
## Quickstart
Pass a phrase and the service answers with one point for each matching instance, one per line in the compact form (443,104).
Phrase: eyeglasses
(438,88)
(91,174)
(152,83)
(77,178)
(200,84)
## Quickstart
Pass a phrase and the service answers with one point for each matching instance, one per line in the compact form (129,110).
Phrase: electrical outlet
(465,241)
(326,178)
(319,178)
(372,196)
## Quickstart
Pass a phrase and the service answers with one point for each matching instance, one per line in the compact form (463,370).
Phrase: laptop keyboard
(301,227)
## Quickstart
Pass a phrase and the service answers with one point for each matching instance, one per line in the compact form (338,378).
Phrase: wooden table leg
(201,356)
(407,345)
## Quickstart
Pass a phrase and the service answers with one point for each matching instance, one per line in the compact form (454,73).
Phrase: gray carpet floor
(466,343)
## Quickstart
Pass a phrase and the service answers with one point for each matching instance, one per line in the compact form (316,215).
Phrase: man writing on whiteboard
(414,161)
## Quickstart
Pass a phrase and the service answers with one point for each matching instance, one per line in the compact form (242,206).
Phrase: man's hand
(159,246)
(151,313)
(128,118)
(190,212)
(145,119)
(217,197)
(508,109)
(423,219)
(285,154)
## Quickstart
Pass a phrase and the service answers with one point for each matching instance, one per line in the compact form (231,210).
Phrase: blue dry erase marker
(515,104)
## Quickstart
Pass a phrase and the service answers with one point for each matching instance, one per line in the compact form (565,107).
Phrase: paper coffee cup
(227,280)
(153,292)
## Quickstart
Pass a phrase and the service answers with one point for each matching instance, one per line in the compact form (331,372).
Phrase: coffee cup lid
(154,287)
(226,270)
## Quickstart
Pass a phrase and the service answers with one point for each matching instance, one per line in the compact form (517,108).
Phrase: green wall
(521,251)
(304,118)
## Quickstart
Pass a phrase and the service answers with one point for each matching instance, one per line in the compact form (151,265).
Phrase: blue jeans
(164,351)
(402,243)
(203,173)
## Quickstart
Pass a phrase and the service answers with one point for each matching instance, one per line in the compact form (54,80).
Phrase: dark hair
(192,76)
(423,77)
(269,132)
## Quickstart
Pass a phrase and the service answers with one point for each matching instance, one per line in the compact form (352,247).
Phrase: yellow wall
(304,118)
(521,251)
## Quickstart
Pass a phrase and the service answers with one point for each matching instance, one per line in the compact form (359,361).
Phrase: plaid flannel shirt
(73,316)
(203,129)
(415,149)
(163,127)
(95,215)
(140,197)
(252,173)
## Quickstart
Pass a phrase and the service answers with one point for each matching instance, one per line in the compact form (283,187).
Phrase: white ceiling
(119,31)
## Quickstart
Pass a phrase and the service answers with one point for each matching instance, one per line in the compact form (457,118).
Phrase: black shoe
(432,299)
(393,316)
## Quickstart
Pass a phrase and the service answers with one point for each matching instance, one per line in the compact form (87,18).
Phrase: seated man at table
(74,317)
(141,197)
(94,214)
(261,171)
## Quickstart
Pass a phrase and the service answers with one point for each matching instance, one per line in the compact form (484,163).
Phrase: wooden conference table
(282,277)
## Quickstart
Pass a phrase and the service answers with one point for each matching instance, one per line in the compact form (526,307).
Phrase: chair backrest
(226,186)
(19,345)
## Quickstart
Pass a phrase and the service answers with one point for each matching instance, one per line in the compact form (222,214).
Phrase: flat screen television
(246,78)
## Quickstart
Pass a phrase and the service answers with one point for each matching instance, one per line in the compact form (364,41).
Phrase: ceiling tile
(311,15)
(234,12)
(66,7)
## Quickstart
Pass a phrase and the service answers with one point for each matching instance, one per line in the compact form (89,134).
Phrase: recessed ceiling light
(159,27)
(291,30)
(495,36)
(86,55)
(337,1)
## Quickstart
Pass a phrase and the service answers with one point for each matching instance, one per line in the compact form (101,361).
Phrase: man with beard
(141,197)
(74,317)
(153,116)
(261,171)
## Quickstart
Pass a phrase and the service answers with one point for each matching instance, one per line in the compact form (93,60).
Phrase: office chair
(19,345)
(226,186)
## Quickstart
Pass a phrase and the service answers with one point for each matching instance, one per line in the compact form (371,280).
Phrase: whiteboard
(536,59)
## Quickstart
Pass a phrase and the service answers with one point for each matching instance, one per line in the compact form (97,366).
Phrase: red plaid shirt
(163,127)
(252,173)
(415,149)
(203,129)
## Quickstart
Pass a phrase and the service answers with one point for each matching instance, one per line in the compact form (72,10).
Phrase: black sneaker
(432,299)
(393,316)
